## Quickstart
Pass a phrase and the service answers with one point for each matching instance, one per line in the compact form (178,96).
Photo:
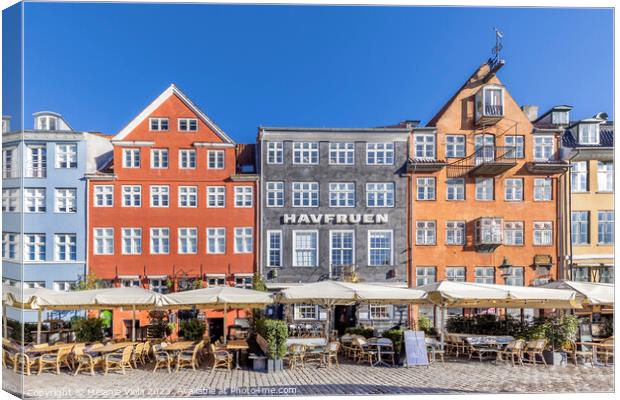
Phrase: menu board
(415,348)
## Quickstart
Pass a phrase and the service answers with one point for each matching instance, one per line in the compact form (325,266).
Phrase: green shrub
(397,338)
(275,333)
(88,330)
(19,333)
(608,328)
(426,325)
(560,331)
(367,332)
(193,329)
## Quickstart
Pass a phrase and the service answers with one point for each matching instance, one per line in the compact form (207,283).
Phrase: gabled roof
(172,90)
(606,138)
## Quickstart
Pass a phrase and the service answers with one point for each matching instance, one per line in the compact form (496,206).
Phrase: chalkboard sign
(415,348)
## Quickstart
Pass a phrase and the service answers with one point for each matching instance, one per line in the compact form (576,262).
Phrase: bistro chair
(586,352)
(137,355)
(221,358)
(55,360)
(78,348)
(512,350)
(296,353)
(363,352)
(331,353)
(189,358)
(535,348)
(605,353)
(161,358)
(83,359)
(27,362)
(118,361)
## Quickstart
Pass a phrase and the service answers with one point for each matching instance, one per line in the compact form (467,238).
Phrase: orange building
(174,209)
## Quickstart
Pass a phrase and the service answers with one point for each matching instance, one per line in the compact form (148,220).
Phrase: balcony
(489,234)
(485,161)
(489,105)
(547,167)
(425,165)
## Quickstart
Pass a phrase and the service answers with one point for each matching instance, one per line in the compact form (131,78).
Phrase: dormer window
(47,123)
(559,117)
(588,133)
(5,125)
(489,104)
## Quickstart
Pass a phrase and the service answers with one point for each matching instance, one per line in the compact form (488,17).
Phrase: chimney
(531,111)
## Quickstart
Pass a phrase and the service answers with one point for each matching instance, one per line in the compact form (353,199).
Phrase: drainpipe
(570,207)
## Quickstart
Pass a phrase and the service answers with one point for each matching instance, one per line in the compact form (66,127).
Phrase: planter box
(275,365)
(557,358)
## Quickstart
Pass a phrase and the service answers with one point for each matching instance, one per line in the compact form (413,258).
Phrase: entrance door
(216,328)
(344,317)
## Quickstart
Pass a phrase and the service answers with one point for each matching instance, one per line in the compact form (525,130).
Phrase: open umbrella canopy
(219,296)
(591,293)
(22,297)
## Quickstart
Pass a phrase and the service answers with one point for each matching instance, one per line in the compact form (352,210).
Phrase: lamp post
(505,268)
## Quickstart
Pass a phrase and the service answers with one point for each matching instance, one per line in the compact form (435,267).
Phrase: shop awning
(591,293)
(218,297)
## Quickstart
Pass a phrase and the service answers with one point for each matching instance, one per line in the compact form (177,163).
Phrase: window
(274,248)
(34,284)
(455,146)
(513,233)
(605,176)
(484,148)
(588,133)
(65,200)
(216,280)
(605,227)
(34,200)
(606,275)
(559,117)
(484,275)
(341,247)
(216,240)
(380,194)
(380,153)
(104,240)
(159,158)
(188,124)
(36,161)
(275,153)
(380,248)
(426,188)
(517,145)
(580,274)
(160,196)
(244,240)
(104,195)
(580,227)
(65,247)
(306,311)
(543,189)
(493,101)
(305,153)
(342,153)
(158,285)
(484,189)
(425,275)
(187,159)
(66,155)
(47,123)
(513,190)
(34,246)
(216,196)
(10,200)
(64,286)
(132,240)
(243,196)
(132,195)
(10,245)
(131,158)
(305,194)
(188,240)
(342,194)
(425,233)
(275,194)
(9,163)
(515,277)
(455,274)
(543,148)
(543,233)
(243,282)
(305,248)
(376,311)
(158,124)
(127,282)
(488,231)
(579,176)
(160,240)
(424,145)
(216,159)
(455,232)
(188,196)
(455,189)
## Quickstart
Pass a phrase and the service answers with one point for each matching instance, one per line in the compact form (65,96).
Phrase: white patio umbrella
(591,293)
(23,298)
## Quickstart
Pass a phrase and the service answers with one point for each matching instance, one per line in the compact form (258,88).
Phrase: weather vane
(497,48)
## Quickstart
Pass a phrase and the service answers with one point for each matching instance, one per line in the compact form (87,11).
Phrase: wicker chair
(480,351)
(296,354)
(331,353)
(137,355)
(25,361)
(55,360)
(586,352)
(535,348)
(512,350)
(363,352)
(189,358)
(83,359)
(161,358)
(77,349)
(118,361)
(605,353)
(221,358)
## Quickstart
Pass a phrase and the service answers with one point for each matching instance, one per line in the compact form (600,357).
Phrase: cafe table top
(179,346)
(47,349)
(237,344)
(310,342)
(110,347)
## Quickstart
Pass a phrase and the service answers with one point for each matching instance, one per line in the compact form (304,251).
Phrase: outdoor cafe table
(47,349)
(110,347)
(315,346)
(237,345)
(178,346)
(374,342)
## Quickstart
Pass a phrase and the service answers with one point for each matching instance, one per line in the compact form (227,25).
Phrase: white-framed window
(342,153)
(488,231)
(159,158)
(579,176)
(342,194)
(275,153)
(9,163)
(426,233)
(543,233)
(216,196)
(305,194)
(158,285)
(513,233)
(515,277)
(244,240)
(131,158)
(455,146)
(513,189)
(243,281)
(485,189)
(34,246)
(455,232)
(305,153)
(188,196)
(379,311)
(580,227)
(65,247)
(425,275)
(215,159)
(484,275)
(424,145)
(132,240)
(65,200)
(216,240)
(305,248)
(10,245)
(560,117)
(244,196)
(605,176)
(104,240)
(128,282)
(66,155)
(306,311)
(380,153)
(188,124)
(380,247)
(160,195)
(158,124)
(34,200)
(455,189)
(188,241)
(187,159)
(543,189)
(64,286)
(275,194)
(517,145)
(216,280)
(425,188)
(544,148)
(380,194)
(455,274)
(588,133)
(132,195)
(36,161)
(10,200)
(104,195)
(274,248)
(605,227)
(342,245)
(160,240)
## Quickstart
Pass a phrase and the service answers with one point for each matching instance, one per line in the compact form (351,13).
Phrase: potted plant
(559,332)
(193,329)
(275,333)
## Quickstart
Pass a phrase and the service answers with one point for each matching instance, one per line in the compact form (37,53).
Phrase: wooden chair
(387,349)
(221,358)
(512,350)
(296,354)
(55,360)
(146,352)
(118,361)
(83,359)
(189,358)
(434,350)
(535,348)
(586,352)
(161,358)
(331,353)
(26,362)
(8,357)
(77,349)
(363,352)
(605,353)
(136,356)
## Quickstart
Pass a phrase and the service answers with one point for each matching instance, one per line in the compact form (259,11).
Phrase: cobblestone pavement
(456,376)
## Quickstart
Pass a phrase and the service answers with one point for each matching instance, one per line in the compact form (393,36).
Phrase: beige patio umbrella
(24,298)
(591,293)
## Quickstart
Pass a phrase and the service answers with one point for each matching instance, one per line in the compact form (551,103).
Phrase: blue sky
(245,66)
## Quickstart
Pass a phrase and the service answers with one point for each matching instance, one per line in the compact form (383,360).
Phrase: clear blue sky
(245,66)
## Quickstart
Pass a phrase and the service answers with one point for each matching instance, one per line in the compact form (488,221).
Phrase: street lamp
(505,269)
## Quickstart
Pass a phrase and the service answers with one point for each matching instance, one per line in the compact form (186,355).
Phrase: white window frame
(159,159)
(513,189)
(579,177)
(66,155)
(455,146)
(380,194)
(580,227)
(426,232)
(103,196)
(379,153)
(455,233)
(379,312)
(216,159)
(36,242)
(589,136)
(274,193)
(517,142)
(217,237)
(38,198)
(425,275)
(482,275)
(424,146)
(36,161)
(134,236)
(308,250)
(342,249)
(514,233)
(273,252)
(543,189)
(131,158)
(188,196)
(64,286)
(605,176)
(105,235)
(66,197)
(390,233)
(305,194)
(244,240)
(133,193)
(516,276)
(244,196)
(187,236)
(156,124)
(456,274)
(342,194)
(216,196)
(275,152)
(482,189)
(342,153)
(540,234)
(426,188)
(187,159)
(306,312)
(10,164)
(188,122)
(160,196)
(10,200)
(65,243)
(306,153)
(11,244)
(605,227)
(159,240)
(544,147)
(456,188)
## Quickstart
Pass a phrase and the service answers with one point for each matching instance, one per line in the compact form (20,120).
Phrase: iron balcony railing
(491,110)
(483,155)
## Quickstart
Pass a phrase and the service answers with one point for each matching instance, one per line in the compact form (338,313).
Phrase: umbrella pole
(39,317)
(442,309)
(225,312)
(5,328)
(133,323)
